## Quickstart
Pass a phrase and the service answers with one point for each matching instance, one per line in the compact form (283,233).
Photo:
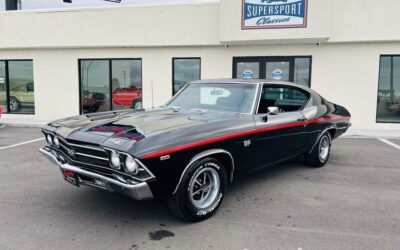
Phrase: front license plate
(71,178)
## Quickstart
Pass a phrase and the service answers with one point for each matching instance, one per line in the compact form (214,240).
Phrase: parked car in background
(20,96)
(128,97)
(208,135)
(92,101)
(394,109)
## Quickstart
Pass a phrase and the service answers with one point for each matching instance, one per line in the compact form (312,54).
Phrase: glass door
(279,68)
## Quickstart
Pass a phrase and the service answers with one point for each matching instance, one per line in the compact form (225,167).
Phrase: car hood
(127,127)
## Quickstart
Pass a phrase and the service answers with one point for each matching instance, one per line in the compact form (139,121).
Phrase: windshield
(223,97)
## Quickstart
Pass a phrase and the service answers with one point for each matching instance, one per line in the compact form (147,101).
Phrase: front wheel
(319,155)
(200,192)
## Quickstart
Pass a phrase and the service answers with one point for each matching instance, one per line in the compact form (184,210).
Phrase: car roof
(249,81)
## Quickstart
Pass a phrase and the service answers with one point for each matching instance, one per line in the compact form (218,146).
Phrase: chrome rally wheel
(200,192)
(324,147)
(205,188)
(319,154)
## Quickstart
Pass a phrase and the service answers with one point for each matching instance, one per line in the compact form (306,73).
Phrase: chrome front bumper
(138,191)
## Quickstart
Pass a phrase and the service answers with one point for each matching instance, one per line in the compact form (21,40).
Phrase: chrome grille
(93,158)
(84,153)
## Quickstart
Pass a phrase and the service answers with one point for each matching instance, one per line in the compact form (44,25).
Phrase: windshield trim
(252,107)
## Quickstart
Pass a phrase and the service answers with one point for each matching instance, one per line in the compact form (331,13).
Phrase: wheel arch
(331,130)
(220,154)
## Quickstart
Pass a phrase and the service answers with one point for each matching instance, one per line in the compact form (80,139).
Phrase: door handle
(303,119)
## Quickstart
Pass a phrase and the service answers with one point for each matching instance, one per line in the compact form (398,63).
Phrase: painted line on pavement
(20,144)
(390,143)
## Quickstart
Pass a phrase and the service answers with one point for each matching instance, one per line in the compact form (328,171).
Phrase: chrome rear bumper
(138,191)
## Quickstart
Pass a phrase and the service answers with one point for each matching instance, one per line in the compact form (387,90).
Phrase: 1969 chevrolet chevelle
(210,133)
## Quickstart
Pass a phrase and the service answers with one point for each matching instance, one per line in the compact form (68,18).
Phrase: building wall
(352,35)
(128,26)
(329,21)
(343,73)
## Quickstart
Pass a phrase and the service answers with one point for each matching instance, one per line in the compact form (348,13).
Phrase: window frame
(377,91)
(109,60)
(7,86)
(173,69)
(282,86)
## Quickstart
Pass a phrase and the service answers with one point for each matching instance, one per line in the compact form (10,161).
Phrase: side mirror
(273,110)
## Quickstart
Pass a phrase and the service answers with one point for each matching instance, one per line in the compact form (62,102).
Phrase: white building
(63,62)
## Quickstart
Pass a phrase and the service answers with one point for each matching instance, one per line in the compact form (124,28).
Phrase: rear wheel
(200,192)
(319,155)
(137,104)
(15,105)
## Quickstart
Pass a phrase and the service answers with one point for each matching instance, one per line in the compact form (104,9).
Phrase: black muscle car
(210,133)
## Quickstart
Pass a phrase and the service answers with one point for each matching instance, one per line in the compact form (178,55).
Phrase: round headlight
(49,139)
(56,142)
(131,165)
(115,161)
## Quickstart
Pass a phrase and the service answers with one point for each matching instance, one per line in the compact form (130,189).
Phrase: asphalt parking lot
(352,203)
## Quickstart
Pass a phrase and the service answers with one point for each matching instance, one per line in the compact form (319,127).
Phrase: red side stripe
(239,134)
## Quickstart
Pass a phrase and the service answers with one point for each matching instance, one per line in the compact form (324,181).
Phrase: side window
(287,99)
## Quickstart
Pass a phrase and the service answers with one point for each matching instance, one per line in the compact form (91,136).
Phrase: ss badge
(247,143)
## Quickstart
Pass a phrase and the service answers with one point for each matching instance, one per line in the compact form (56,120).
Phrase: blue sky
(46,4)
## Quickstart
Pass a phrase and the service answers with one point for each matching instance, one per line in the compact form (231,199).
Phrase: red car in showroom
(131,97)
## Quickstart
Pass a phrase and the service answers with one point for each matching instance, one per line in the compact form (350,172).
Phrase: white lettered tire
(200,192)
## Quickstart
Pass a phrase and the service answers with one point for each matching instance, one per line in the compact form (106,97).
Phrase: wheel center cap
(206,188)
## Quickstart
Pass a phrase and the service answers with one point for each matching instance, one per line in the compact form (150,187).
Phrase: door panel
(285,134)
(277,144)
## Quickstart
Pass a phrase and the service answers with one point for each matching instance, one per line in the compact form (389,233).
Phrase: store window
(275,68)
(184,71)
(110,84)
(17,92)
(388,106)
(126,84)
(3,89)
